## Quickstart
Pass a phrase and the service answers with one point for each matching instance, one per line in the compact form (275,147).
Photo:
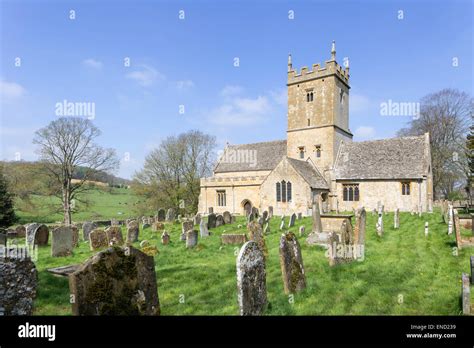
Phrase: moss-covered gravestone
(116,281)
(227,217)
(97,239)
(251,280)
(256,234)
(114,235)
(291,262)
(161,215)
(133,230)
(211,221)
(88,227)
(62,241)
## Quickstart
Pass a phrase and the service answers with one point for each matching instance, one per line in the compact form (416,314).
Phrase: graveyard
(403,272)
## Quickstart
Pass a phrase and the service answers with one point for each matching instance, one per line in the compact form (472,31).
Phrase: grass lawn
(404,273)
(101,204)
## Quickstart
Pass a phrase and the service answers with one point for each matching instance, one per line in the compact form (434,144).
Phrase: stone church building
(319,160)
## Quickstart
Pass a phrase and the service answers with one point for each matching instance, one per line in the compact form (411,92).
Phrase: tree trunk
(67,203)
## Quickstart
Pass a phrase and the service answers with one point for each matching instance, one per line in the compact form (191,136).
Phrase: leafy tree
(7,212)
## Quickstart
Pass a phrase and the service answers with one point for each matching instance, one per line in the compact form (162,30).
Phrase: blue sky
(190,62)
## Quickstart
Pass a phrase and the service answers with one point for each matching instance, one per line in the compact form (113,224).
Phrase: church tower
(318,112)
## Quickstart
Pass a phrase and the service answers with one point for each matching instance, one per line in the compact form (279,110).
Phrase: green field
(100,204)
(404,273)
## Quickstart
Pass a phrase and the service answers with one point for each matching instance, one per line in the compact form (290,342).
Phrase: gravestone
(161,215)
(291,223)
(170,214)
(186,226)
(116,281)
(203,229)
(300,216)
(472,270)
(466,295)
(157,226)
(211,210)
(75,235)
(227,217)
(266,229)
(270,212)
(450,219)
(20,231)
(396,219)
(250,218)
(359,233)
(291,263)
(219,220)
(317,224)
(426,228)
(62,241)
(255,212)
(211,221)
(301,231)
(37,234)
(18,283)
(165,238)
(346,232)
(87,228)
(261,221)
(230,238)
(282,225)
(133,232)
(255,233)
(197,219)
(379,224)
(191,239)
(114,235)
(457,229)
(251,280)
(97,239)
(265,215)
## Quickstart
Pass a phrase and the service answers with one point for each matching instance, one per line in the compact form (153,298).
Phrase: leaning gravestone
(251,280)
(18,282)
(114,235)
(37,234)
(132,232)
(256,234)
(291,262)
(161,215)
(191,239)
(219,220)
(87,228)
(116,281)
(211,221)
(203,229)
(97,239)
(62,241)
(227,217)
(170,214)
(291,223)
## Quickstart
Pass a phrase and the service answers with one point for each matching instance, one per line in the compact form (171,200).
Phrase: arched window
(278,189)
(283,191)
(288,191)
(309,122)
(356,193)
(311,96)
(307,97)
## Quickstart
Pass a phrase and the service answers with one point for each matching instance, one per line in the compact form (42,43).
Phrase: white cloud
(92,63)
(184,84)
(231,90)
(146,76)
(11,90)
(280,97)
(241,112)
(364,133)
(358,103)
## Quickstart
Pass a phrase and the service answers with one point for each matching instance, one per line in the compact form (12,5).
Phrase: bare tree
(172,171)
(446,115)
(67,144)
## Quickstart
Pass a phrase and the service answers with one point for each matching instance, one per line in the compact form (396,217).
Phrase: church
(318,159)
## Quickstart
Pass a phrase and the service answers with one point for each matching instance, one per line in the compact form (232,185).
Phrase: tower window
(288,191)
(283,191)
(318,150)
(278,191)
(350,192)
(221,199)
(309,97)
(405,188)
(301,151)
(309,122)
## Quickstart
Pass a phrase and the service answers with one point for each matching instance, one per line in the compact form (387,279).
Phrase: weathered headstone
(265,215)
(346,232)
(87,228)
(457,229)
(116,281)
(203,229)
(317,224)
(197,219)
(37,234)
(282,225)
(133,232)
(379,225)
(227,217)
(170,214)
(261,221)
(97,239)
(211,210)
(396,219)
(255,233)
(75,235)
(165,238)
(255,212)
(251,280)
(231,238)
(62,241)
(291,262)
(114,235)
(291,223)
(300,216)
(270,212)
(191,238)
(186,226)
(301,230)
(211,221)
(426,228)
(450,219)
(18,282)
(219,220)
(466,295)
(161,215)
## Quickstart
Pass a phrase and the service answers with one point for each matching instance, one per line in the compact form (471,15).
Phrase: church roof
(309,173)
(395,158)
(249,157)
